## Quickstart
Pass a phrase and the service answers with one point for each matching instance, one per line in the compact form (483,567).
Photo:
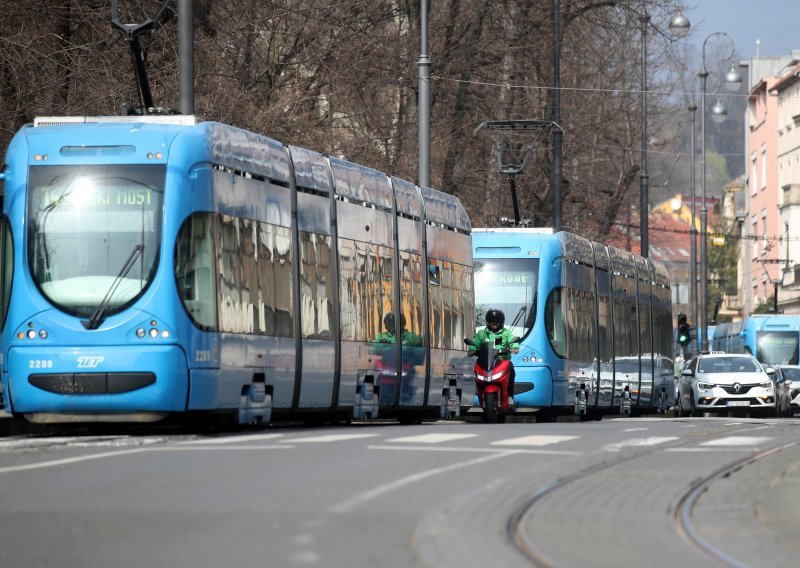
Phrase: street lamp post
(679,27)
(693,232)
(732,82)
(644,181)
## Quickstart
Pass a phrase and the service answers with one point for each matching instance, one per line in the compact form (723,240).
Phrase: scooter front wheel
(490,408)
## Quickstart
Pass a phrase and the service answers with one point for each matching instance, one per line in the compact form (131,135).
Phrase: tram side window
(194,270)
(445,284)
(350,289)
(579,325)
(645,331)
(266,279)
(282,270)
(468,304)
(604,327)
(435,300)
(7,267)
(554,322)
(249,281)
(385,289)
(316,296)
(411,305)
(234,314)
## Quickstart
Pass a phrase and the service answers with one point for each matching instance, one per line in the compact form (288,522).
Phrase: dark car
(787,390)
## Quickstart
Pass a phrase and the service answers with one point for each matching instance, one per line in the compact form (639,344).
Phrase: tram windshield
(94,233)
(507,284)
(777,347)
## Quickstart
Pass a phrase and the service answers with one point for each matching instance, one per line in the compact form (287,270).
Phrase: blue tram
(595,321)
(157,265)
(773,339)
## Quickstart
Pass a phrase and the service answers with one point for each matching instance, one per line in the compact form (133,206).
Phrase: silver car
(722,382)
(787,389)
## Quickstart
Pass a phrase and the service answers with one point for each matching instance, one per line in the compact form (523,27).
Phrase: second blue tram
(160,265)
(773,339)
(595,321)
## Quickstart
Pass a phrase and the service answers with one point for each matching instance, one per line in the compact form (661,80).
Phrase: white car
(721,382)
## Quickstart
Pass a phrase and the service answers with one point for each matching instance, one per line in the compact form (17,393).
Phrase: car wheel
(679,408)
(694,412)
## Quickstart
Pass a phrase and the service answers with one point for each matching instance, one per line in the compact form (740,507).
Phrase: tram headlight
(140,332)
(31,334)
(154,332)
(43,333)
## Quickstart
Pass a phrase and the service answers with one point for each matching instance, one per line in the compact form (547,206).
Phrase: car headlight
(705,386)
(766,385)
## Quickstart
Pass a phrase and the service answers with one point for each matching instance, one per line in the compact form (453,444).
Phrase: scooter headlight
(496,376)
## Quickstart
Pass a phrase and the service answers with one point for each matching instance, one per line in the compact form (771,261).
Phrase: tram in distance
(595,321)
(156,266)
(773,339)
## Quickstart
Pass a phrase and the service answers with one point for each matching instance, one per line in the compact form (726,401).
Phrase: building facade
(787,93)
(762,228)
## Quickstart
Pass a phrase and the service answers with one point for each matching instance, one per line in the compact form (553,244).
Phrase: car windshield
(793,374)
(728,365)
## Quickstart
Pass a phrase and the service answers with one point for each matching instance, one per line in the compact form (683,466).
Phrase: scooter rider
(495,327)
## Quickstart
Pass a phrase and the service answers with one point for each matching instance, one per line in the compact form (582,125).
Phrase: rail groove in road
(681,509)
(685,505)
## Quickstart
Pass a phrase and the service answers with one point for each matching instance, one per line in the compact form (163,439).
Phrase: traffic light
(684,331)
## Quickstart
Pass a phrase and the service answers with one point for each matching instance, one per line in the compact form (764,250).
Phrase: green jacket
(506,335)
(409,338)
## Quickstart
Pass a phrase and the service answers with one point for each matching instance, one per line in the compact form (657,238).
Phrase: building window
(763,168)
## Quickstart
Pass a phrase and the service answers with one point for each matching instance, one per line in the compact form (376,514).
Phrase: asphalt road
(649,491)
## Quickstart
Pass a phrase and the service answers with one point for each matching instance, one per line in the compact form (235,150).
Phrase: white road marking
(534,440)
(231,439)
(66,461)
(64,441)
(432,438)
(737,441)
(635,429)
(472,450)
(366,496)
(639,442)
(329,438)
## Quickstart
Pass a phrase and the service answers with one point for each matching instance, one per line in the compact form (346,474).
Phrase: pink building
(760,266)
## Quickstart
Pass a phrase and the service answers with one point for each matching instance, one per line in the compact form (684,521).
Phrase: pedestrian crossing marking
(231,439)
(328,438)
(737,441)
(534,440)
(639,442)
(432,438)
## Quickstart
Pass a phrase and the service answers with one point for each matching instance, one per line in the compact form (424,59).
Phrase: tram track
(685,505)
(681,509)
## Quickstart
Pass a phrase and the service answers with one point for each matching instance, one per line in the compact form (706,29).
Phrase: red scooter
(491,380)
